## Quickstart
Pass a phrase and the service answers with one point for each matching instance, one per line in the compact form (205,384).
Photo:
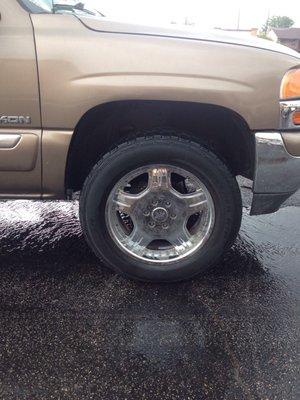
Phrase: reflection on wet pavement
(71,329)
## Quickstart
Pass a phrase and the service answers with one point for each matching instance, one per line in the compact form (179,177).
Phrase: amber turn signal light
(290,85)
(296,118)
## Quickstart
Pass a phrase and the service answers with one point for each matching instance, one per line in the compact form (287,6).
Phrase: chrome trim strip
(9,140)
(276,170)
(287,108)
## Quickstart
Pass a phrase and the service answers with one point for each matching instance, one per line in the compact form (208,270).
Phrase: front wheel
(160,209)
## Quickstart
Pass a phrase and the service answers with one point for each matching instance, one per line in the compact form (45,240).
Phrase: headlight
(290,85)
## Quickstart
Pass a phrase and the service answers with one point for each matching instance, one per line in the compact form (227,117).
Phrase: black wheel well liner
(102,127)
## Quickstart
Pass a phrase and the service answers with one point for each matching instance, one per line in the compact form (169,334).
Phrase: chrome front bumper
(277,173)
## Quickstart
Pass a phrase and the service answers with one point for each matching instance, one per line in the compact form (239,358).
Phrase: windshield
(60,6)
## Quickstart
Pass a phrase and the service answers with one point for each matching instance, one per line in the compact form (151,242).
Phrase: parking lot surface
(71,329)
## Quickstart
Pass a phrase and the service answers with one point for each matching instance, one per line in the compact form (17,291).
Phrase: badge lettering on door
(14,119)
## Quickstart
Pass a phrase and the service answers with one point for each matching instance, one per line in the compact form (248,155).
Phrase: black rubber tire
(172,150)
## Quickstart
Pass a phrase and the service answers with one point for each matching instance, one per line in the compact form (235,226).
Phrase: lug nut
(151,224)
(165,226)
(173,216)
(154,202)
(168,204)
(146,213)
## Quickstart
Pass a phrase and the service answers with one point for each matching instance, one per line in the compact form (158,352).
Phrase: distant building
(240,32)
(287,36)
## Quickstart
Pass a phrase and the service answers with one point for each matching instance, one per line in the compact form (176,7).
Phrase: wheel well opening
(222,130)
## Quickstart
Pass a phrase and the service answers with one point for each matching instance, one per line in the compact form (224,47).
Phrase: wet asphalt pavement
(71,329)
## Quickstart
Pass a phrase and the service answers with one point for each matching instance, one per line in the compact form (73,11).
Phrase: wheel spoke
(138,241)
(126,201)
(159,178)
(194,202)
(182,241)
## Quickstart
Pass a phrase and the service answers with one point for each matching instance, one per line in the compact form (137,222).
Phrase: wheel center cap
(160,214)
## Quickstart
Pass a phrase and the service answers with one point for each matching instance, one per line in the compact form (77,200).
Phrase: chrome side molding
(9,140)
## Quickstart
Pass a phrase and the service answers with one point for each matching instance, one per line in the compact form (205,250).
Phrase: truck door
(20,122)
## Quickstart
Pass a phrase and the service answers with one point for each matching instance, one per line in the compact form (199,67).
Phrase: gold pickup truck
(151,125)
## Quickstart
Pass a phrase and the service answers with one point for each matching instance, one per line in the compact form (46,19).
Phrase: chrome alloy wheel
(160,213)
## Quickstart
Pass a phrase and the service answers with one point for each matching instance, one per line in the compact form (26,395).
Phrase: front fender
(80,69)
